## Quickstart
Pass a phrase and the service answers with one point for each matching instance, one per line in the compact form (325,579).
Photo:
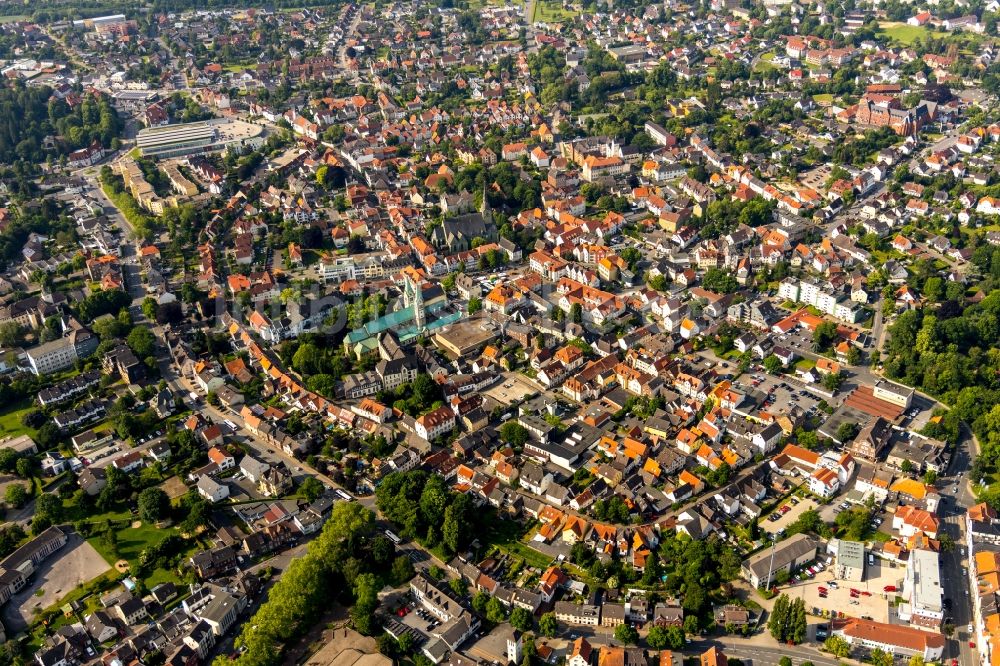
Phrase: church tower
(514,646)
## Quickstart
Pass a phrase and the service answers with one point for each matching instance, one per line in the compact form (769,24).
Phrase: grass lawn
(12,18)
(805,364)
(907,34)
(548,11)
(131,542)
(764,64)
(10,420)
(508,536)
(824,98)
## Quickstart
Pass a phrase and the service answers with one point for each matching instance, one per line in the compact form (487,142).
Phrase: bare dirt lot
(174,487)
(75,564)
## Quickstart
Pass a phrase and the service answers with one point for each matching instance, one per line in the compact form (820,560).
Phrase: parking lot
(419,619)
(781,392)
(782,518)
(815,178)
(514,388)
(871,601)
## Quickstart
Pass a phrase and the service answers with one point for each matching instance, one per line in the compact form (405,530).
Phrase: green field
(823,98)
(907,34)
(131,542)
(764,64)
(11,18)
(548,11)
(10,421)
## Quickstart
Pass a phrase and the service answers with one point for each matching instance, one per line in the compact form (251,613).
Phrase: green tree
(141,341)
(837,646)
(402,570)
(797,623)
(495,612)
(25,467)
(520,618)
(778,619)
(311,489)
(382,550)
(879,657)
(149,306)
(657,638)
(626,633)
(853,355)
(406,643)
(772,364)
(49,507)
(459,586)
(832,381)
(846,431)
(322,175)
(10,334)
(824,335)
(153,505)
(514,433)
(8,460)
(366,601)
(720,280)
(16,495)
(547,625)
(455,529)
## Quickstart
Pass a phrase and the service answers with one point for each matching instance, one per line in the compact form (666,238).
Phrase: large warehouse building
(198,137)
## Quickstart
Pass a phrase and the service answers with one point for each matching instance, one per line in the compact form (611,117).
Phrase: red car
(889,588)
(867,594)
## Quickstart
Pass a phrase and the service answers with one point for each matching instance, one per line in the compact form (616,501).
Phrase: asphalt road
(954,565)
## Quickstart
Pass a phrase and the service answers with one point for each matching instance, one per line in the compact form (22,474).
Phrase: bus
(393,537)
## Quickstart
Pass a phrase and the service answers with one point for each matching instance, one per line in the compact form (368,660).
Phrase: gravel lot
(75,564)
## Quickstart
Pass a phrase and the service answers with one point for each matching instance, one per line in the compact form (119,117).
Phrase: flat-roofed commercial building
(894,393)
(923,606)
(199,137)
(176,140)
(850,563)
